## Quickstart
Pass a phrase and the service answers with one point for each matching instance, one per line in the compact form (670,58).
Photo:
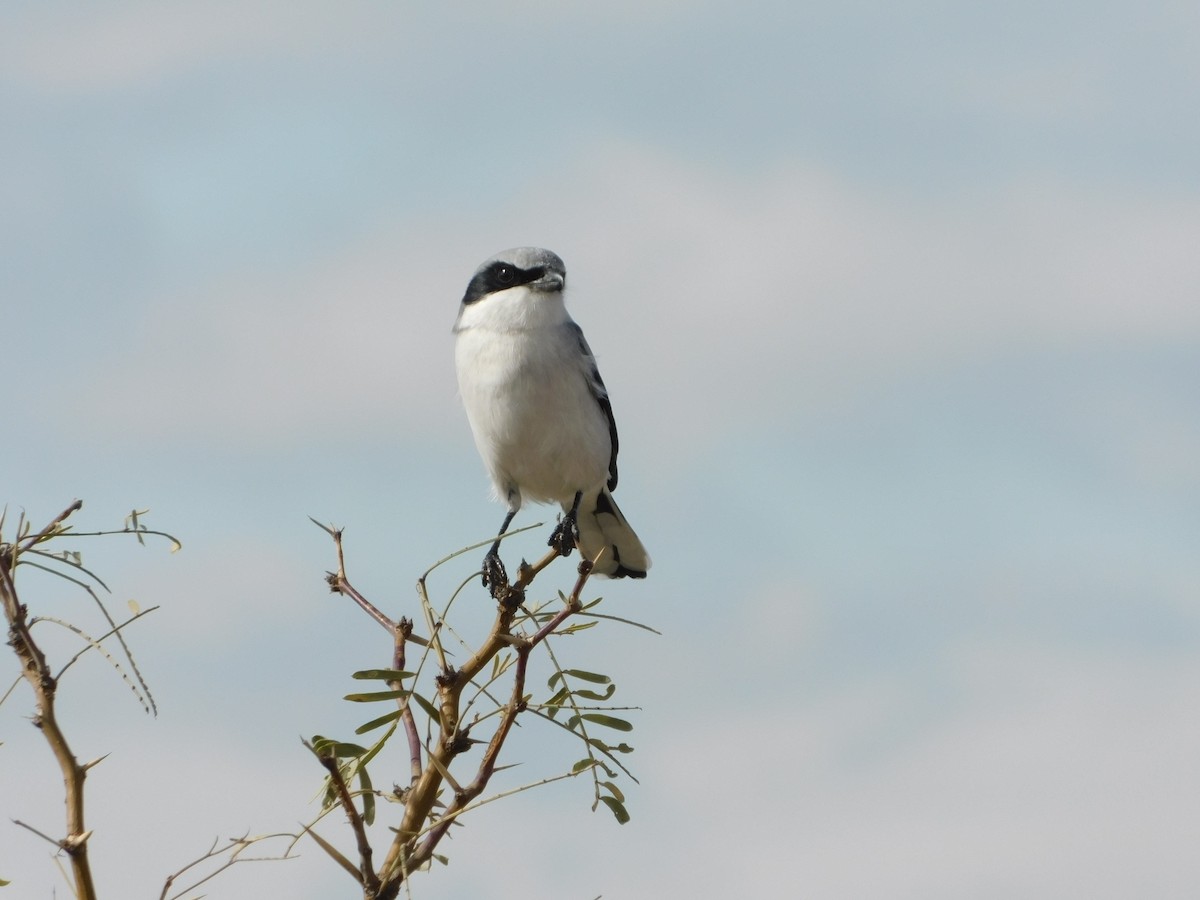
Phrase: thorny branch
(417,837)
(366,870)
(45,687)
(36,671)
(403,634)
(516,705)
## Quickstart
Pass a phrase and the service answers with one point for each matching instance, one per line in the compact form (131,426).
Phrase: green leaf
(320,745)
(578,626)
(382,675)
(608,721)
(617,807)
(614,790)
(430,709)
(555,703)
(583,765)
(325,747)
(606,748)
(624,622)
(368,796)
(376,696)
(500,664)
(375,723)
(378,745)
(593,695)
(335,855)
(343,750)
(593,677)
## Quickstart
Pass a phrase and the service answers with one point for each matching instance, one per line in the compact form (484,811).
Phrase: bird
(539,411)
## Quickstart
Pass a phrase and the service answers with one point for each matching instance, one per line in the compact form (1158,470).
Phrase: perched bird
(539,411)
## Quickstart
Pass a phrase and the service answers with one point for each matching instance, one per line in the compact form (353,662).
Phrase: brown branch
(403,632)
(48,531)
(527,573)
(515,706)
(431,770)
(37,672)
(487,766)
(340,584)
(573,606)
(424,792)
(369,880)
(45,837)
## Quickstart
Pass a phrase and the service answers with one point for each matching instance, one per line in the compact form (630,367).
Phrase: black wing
(600,392)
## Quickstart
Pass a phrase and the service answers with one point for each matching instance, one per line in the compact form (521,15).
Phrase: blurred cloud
(65,48)
(1022,783)
(789,277)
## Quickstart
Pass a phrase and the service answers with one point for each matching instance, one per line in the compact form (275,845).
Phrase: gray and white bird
(539,411)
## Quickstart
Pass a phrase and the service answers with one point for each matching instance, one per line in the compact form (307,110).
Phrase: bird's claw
(495,576)
(565,536)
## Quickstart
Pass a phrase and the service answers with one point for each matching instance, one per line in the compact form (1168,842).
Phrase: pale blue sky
(898,308)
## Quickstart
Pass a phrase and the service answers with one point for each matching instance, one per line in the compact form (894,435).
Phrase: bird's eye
(506,275)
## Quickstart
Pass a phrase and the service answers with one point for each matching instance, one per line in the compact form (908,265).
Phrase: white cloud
(726,293)
(716,295)
(168,789)
(73,49)
(88,50)
(1048,775)
(355,337)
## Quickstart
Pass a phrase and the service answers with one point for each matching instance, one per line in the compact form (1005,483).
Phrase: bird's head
(530,267)
(514,289)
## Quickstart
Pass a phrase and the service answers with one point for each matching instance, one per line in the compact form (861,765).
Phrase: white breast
(524,383)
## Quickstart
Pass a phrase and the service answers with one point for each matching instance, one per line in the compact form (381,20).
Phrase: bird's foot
(495,576)
(565,536)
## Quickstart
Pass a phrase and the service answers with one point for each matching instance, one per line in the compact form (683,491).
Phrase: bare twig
(24,543)
(235,849)
(340,584)
(141,690)
(92,643)
(42,835)
(97,641)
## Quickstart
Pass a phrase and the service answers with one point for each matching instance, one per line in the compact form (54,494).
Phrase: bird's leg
(565,536)
(495,576)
